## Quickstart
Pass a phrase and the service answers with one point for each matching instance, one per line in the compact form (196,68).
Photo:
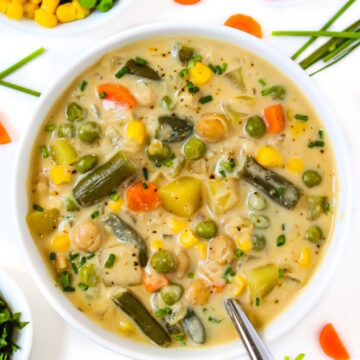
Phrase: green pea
(194,149)
(258,242)
(256,201)
(206,229)
(86,163)
(89,132)
(171,293)
(163,262)
(314,234)
(74,112)
(311,178)
(105,5)
(88,275)
(157,151)
(66,131)
(255,127)
(88,4)
(259,221)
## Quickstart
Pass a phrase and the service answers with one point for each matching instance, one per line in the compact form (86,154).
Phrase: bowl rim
(316,286)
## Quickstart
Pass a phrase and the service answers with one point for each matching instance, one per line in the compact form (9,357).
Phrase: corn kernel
(269,157)
(177,226)
(244,244)
(295,165)
(61,242)
(50,5)
(201,74)
(29,10)
(305,257)
(157,244)
(36,2)
(135,131)
(14,11)
(45,19)
(298,128)
(126,327)
(187,238)
(238,285)
(202,249)
(59,174)
(80,11)
(116,206)
(21,2)
(66,12)
(4,5)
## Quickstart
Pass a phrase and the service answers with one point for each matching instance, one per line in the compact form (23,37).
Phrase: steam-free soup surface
(174,173)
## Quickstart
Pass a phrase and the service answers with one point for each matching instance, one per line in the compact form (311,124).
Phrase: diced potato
(222,195)
(182,197)
(262,280)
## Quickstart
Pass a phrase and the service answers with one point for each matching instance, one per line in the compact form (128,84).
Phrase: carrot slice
(142,196)
(244,23)
(118,94)
(331,343)
(274,118)
(4,136)
(153,282)
(187,2)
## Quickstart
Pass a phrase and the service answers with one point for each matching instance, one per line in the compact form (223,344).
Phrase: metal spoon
(251,339)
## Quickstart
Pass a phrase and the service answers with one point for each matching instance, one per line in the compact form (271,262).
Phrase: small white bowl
(93,21)
(14,297)
(305,300)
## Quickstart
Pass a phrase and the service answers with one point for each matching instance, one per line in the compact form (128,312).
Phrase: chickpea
(198,292)
(212,128)
(221,250)
(87,236)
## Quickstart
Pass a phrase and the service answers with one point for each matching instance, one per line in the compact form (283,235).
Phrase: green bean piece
(185,54)
(143,71)
(206,229)
(278,92)
(259,221)
(236,77)
(88,4)
(256,201)
(163,262)
(66,131)
(105,5)
(89,132)
(157,151)
(88,275)
(255,127)
(316,206)
(63,153)
(171,293)
(75,113)
(43,223)
(258,242)
(314,234)
(311,178)
(86,163)
(172,129)
(194,149)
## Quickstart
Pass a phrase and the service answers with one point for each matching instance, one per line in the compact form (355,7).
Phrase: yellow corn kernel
(50,5)
(45,19)
(116,206)
(21,2)
(66,12)
(29,9)
(80,11)
(135,131)
(269,157)
(37,2)
(202,249)
(59,174)
(187,238)
(238,285)
(4,5)
(126,327)
(295,165)
(298,128)
(61,242)
(157,244)
(201,74)
(14,11)
(177,226)
(305,257)
(244,244)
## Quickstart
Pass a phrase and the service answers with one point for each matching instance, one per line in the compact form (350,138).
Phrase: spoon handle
(254,345)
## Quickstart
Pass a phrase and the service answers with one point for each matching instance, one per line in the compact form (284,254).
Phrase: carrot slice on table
(332,344)
(4,136)
(118,94)
(244,23)
(153,282)
(274,118)
(142,196)
(187,2)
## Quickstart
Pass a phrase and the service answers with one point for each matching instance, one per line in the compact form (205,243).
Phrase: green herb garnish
(102,95)
(301,117)
(205,99)
(193,89)
(38,208)
(110,261)
(281,240)
(95,214)
(124,70)
(83,85)
(52,256)
(214,320)
(83,286)
(257,301)
(50,127)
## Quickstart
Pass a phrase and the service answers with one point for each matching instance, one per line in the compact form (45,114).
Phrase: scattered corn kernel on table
(53,337)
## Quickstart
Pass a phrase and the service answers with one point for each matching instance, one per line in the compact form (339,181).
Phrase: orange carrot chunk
(187,2)
(4,136)
(274,118)
(154,282)
(143,196)
(331,343)
(118,94)
(244,23)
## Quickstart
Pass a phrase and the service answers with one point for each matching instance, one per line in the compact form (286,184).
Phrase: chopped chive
(206,99)
(140,61)
(281,190)
(321,134)
(124,70)
(83,286)
(145,185)
(222,173)
(193,61)
(192,88)
(19,88)
(321,33)
(102,95)
(110,261)
(317,143)
(267,91)
(262,82)
(168,311)
(190,275)
(327,208)
(44,151)
(281,240)
(82,261)
(300,357)
(301,117)
(74,268)
(95,214)
(212,68)
(38,208)
(114,196)
(69,289)
(65,279)
(146,174)
(72,257)
(224,67)
(239,253)
(90,256)
(50,127)
(183,73)
(214,320)
(83,85)
(52,255)
(281,273)
(257,301)
(159,313)
(179,337)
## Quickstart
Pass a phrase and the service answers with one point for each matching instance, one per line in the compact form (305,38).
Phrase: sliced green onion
(83,85)
(110,261)
(281,240)
(72,257)
(95,214)
(192,88)
(222,173)
(90,256)
(124,70)
(205,99)
(74,268)
(102,95)
(146,174)
(301,117)
(257,301)
(145,185)
(262,82)
(52,255)
(82,261)
(239,253)
(44,151)
(321,134)
(316,143)
(183,73)
(38,208)
(214,320)
(140,61)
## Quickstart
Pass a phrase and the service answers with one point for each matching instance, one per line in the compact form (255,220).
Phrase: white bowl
(14,297)
(304,301)
(93,21)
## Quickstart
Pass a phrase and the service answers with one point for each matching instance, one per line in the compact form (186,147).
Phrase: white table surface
(53,338)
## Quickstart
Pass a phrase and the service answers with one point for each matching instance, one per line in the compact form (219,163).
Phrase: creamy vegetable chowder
(174,173)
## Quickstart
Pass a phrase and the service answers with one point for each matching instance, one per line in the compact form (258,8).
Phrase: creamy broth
(253,230)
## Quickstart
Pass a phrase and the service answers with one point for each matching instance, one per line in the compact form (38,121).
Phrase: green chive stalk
(333,34)
(19,88)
